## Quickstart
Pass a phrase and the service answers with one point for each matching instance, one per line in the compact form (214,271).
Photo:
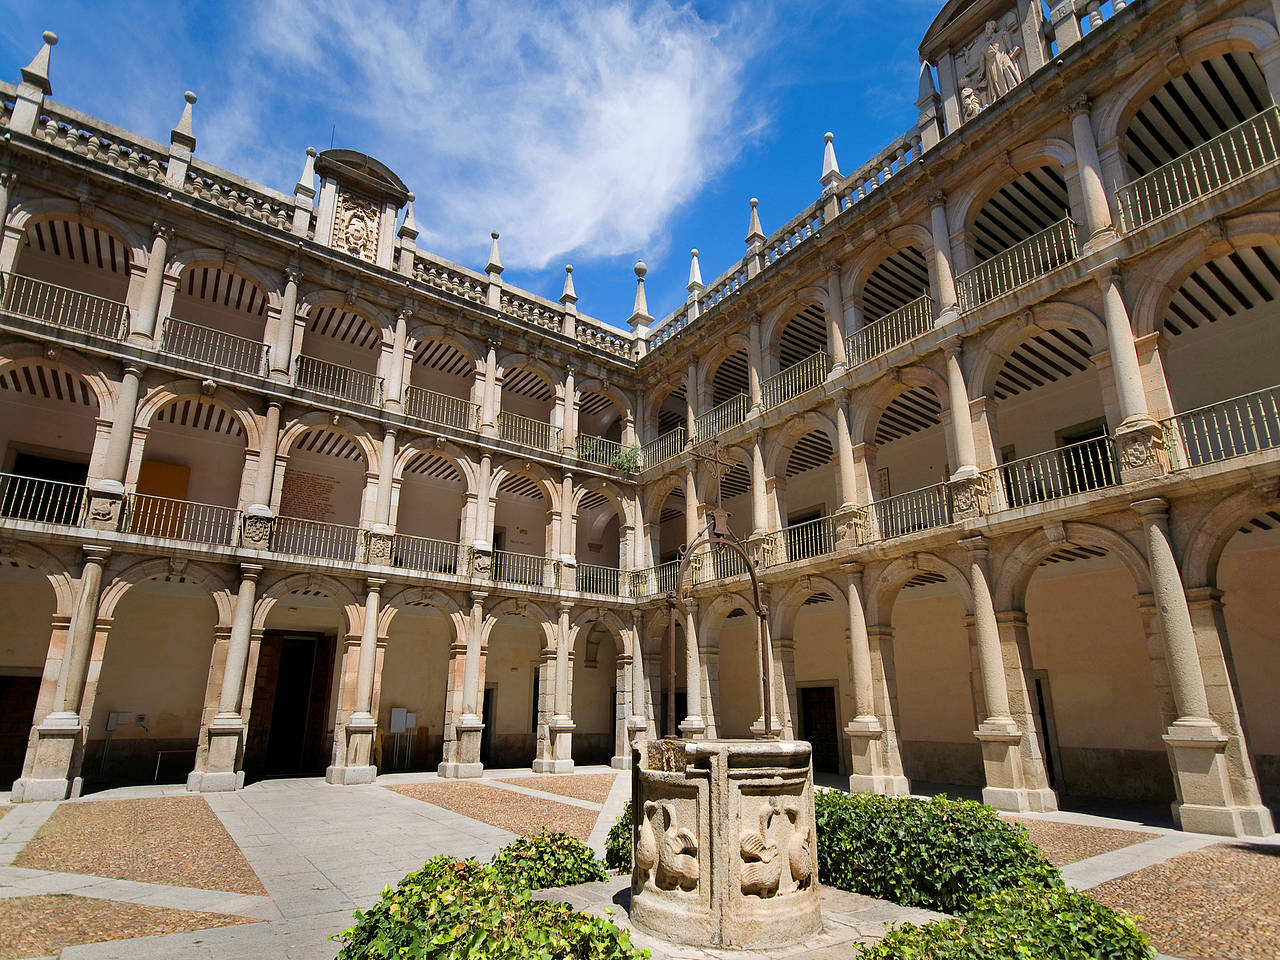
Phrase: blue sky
(590,133)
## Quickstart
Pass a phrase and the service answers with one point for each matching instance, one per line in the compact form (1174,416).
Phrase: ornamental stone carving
(104,511)
(256,532)
(357,226)
(379,548)
(990,66)
(1140,454)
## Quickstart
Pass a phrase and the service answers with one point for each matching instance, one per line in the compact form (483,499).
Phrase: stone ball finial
(189,97)
(311,151)
(50,38)
(412,197)
(568,268)
(693,252)
(494,234)
(641,269)
(828,136)
(754,202)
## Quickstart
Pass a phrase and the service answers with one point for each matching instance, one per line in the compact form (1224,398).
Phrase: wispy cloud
(571,127)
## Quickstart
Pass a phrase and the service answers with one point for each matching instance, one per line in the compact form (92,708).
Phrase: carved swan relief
(799,848)
(761,865)
(647,842)
(677,853)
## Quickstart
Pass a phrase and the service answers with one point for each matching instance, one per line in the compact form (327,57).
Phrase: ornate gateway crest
(357,226)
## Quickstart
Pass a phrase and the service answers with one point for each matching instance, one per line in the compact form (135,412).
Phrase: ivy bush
(617,844)
(938,853)
(546,860)
(459,910)
(1039,923)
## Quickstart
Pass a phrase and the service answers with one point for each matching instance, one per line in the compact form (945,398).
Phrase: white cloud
(571,127)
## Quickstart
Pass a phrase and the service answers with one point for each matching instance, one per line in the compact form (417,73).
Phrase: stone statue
(1000,70)
(970,105)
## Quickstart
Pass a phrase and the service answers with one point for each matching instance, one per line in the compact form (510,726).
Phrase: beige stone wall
(414,669)
(514,649)
(593,699)
(26,610)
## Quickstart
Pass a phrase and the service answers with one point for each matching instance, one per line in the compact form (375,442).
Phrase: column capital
(1153,509)
(389,433)
(293,273)
(1080,105)
(953,348)
(853,569)
(478,597)
(132,367)
(375,584)
(250,571)
(978,546)
(96,554)
(1015,617)
(831,265)
(938,198)
(162,230)
(565,606)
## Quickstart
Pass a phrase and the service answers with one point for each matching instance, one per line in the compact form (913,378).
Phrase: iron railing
(1224,430)
(525,568)
(670,444)
(420,404)
(718,419)
(42,501)
(812,538)
(914,510)
(909,321)
(1088,465)
(607,453)
(429,555)
(1214,164)
(654,581)
(591,578)
(316,538)
(64,307)
(181,338)
(336,380)
(796,379)
(528,432)
(1021,263)
(149,516)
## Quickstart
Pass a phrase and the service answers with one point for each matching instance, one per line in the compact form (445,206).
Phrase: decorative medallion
(356,227)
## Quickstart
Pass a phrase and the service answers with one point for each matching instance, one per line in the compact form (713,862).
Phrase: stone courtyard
(275,869)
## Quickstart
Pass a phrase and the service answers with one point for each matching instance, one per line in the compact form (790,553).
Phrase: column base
(620,763)
(220,782)
(450,770)
(758,731)
(1020,799)
(693,728)
(347,776)
(882,784)
(552,766)
(1224,821)
(51,777)
(31,790)
(1197,755)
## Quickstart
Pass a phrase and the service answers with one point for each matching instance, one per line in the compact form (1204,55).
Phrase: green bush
(617,845)
(1030,923)
(940,854)
(460,910)
(547,860)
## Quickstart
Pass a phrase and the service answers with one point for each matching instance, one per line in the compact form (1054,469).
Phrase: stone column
(379,536)
(869,763)
(107,493)
(256,523)
(638,722)
(1096,212)
(560,727)
(58,741)
(766,654)
(759,502)
(224,765)
(691,399)
(999,736)
(693,726)
(965,480)
(1139,439)
(489,400)
(1023,707)
(846,475)
(691,525)
(569,420)
(393,398)
(1196,743)
(355,765)
(468,725)
(755,364)
(143,322)
(282,344)
(835,319)
(943,270)
(567,545)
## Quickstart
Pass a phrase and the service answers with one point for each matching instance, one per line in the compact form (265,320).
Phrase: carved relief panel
(357,225)
(991,65)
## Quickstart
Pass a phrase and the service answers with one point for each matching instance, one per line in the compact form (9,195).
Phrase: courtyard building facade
(996,416)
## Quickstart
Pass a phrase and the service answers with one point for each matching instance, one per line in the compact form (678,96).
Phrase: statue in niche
(970,105)
(999,62)
(991,66)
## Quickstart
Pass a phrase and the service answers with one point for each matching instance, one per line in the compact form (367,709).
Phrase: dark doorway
(486,735)
(287,725)
(682,711)
(818,726)
(17,710)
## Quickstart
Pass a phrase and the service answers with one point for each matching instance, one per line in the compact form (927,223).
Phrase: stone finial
(928,91)
(409,228)
(641,310)
(183,134)
(830,169)
(754,231)
(495,260)
(695,272)
(305,186)
(569,295)
(36,72)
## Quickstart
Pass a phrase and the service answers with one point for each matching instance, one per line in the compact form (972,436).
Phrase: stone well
(723,845)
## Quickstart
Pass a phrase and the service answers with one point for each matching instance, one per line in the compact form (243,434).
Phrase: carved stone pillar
(393,398)
(846,475)
(1096,211)
(381,533)
(638,721)
(106,494)
(569,417)
(693,726)
(353,748)
(755,364)
(759,500)
(489,398)
(835,319)
(1015,647)
(691,400)
(869,770)
(143,321)
(462,756)
(561,725)
(282,345)
(945,294)
(1138,437)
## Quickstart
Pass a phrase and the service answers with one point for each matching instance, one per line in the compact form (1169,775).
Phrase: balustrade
(432,407)
(1224,430)
(525,568)
(1020,264)
(811,538)
(150,516)
(181,338)
(528,432)
(1226,158)
(796,379)
(608,453)
(654,581)
(450,279)
(1077,467)
(336,380)
(315,538)
(670,444)
(429,555)
(64,307)
(718,419)
(903,325)
(41,501)
(591,578)
(914,510)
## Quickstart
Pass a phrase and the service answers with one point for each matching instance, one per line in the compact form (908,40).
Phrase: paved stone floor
(321,851)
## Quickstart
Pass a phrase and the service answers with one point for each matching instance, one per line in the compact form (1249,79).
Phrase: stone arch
(509,360)
(872,404)
(608,489)
(655,399)
(335,590)
(269,283)
(439,447)
(602,615)
(422,596)
(656,493)
(608,389)
(989,359)
(967,203)
(19,353)
(162,396)
(1020,564)
(42,561)
(884,590)
(530,610)
(1247,34)
(783,611)
(421,331)
(775,322)
(549,486)
(784,441)
(380,320)
(136,239)
(853,281)
(1213,531)
(711,616)
(710,362)
(1255,229)
(219,591)
(320,420)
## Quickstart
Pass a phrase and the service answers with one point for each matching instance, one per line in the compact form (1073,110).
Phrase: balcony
(670,444)
(796,379)
(909,321)
(315,538)
(148,516)
(1020,264)
(1224,430)
(719,419)
(912,511)
(338,381)
(605,581)
(608,453)
(654,581)
(439,408)
(428,555)
(1217,163)
(214,348)
(528,432)
(66,308)
(525,568)
(41,501)
(1089,465)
